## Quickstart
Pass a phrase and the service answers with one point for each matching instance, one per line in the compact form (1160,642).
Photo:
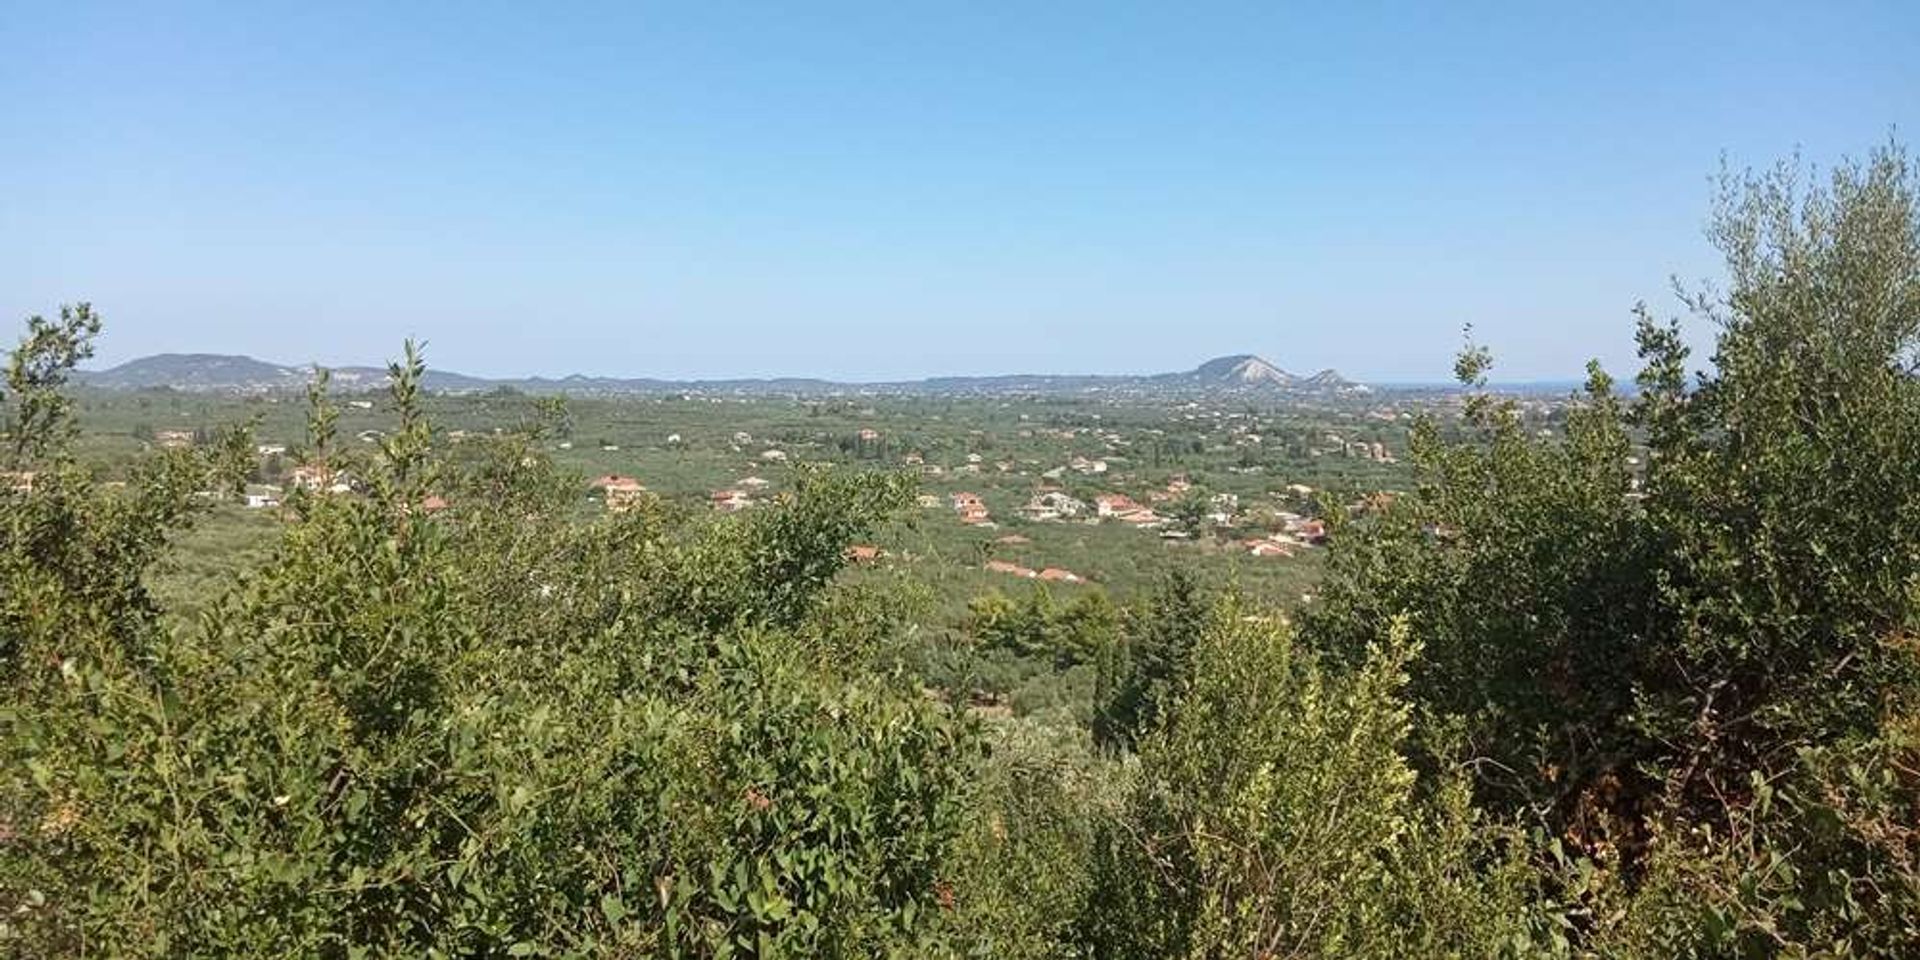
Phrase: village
(1072,493)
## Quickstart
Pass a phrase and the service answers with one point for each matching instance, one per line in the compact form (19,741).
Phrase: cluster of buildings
(1357,449)
(623,493)
(1119,506)
(1290,531)
(1296,532)
(1053,505)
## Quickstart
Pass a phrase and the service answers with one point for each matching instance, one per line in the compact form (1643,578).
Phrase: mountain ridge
(233,373)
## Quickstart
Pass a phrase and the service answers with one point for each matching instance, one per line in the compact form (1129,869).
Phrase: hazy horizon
(869,194)
(96,365)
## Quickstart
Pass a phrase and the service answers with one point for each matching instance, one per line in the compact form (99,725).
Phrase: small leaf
(614,910)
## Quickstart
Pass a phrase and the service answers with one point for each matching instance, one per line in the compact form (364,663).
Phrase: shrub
(1024,877)
(1274,815)
(486,730)
(1696,674)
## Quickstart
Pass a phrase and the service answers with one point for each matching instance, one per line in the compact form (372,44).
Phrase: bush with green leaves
(1141,671)
(1682,636)
(485,730)
(1042,628)
(1024,877)
(1274,815)
(1823,861)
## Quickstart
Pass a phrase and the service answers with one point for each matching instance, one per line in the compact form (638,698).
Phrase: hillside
(1242,370)
(196,371)
(222,373)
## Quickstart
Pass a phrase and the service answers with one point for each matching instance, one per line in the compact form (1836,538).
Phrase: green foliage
(1043,628)
(1646,684)
(1275,816)
(1141,675)
(1783,489)
(1541,665)
(1189,510)
(73,550)
(1823,862)
(1695,673)
(487,730)
(39,420)
(1025,874)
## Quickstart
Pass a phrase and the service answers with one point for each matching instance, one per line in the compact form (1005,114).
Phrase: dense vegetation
(1644,687)
(1699,677)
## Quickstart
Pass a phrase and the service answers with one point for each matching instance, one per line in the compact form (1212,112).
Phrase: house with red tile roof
(970,507)
(731,500)
(621,493)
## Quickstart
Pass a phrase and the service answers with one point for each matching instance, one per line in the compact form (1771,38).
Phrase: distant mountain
(218,373)
(1243,370)
(196,371)
(229,373)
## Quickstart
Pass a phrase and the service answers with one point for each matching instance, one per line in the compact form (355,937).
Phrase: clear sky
(904,189)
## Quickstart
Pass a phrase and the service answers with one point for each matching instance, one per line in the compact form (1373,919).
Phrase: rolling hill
(224,373)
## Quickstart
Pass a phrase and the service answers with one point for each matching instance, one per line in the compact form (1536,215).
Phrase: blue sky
(888,190)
